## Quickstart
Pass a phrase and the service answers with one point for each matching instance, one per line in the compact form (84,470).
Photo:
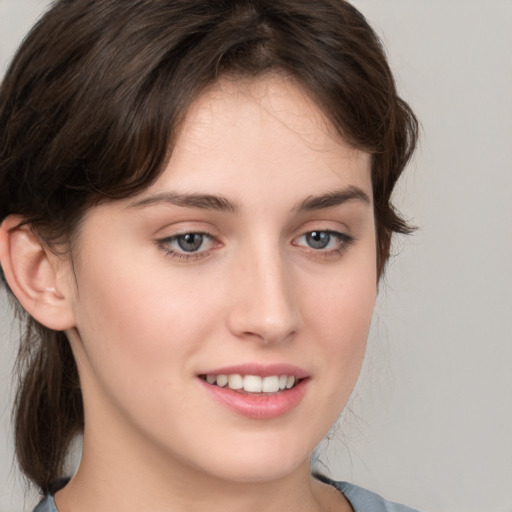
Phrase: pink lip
(264,406)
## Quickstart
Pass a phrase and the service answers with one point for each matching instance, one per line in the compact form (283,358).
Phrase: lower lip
(258,407)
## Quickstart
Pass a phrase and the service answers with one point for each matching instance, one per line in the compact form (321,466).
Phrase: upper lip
(262,370)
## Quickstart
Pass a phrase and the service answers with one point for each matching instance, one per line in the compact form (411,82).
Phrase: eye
(324,241)
(187,245)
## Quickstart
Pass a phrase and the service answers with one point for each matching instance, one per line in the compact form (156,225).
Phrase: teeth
(253,383)
(235,382)
(270,384)
(290,381)
(222,380)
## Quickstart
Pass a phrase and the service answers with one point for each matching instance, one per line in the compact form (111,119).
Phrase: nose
(264,304)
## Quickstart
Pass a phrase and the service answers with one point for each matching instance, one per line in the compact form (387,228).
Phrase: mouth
(256,391)
(253,384)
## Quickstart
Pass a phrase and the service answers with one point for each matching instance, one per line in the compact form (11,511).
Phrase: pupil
(190,242)
(318,239)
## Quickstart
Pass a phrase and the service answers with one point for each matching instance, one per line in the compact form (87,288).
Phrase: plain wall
(430,423)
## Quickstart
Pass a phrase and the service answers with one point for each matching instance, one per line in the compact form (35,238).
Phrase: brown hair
(88,111)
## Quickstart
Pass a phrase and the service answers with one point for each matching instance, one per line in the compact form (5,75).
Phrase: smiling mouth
(253,384)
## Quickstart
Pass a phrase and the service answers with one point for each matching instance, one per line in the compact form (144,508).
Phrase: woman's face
(251,259)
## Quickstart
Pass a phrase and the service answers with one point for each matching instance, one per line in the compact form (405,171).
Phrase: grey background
(430,423)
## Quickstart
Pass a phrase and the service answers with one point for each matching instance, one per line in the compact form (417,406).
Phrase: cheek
(344,321)
(340,313)
(138,336)
(341,302)
(142,321)
(129,318)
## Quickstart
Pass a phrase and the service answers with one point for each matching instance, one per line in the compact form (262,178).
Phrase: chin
(262,461)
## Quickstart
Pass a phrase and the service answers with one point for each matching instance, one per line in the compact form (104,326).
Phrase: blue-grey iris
(318,239)
(190,242)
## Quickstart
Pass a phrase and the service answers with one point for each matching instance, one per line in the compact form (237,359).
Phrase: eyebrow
(203,201)
(220,203)
(334,198)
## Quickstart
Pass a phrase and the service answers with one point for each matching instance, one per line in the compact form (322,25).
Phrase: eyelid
(184,226)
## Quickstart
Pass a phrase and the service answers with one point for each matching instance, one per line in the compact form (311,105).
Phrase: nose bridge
(265,305)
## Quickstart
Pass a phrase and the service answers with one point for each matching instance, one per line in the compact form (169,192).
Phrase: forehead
(269,122)
(241,102)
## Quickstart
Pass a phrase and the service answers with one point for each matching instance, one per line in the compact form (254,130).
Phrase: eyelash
(343,241)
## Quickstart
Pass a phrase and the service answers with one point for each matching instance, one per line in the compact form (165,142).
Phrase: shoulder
(363,500)
(46,505)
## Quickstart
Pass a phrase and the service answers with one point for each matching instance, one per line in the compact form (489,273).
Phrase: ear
(39,278)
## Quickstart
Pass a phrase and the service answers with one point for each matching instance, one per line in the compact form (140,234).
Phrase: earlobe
(35,275)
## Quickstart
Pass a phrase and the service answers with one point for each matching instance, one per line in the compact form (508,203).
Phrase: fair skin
(279,279)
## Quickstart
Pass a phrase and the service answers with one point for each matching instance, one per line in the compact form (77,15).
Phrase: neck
(112,477)
(131,489)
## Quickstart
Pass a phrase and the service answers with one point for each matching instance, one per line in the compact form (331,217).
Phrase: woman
(195,206)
